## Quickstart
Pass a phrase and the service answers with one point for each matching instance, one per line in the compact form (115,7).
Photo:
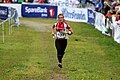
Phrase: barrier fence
(87,15)
(8,19)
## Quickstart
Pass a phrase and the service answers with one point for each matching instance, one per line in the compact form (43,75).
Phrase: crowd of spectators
(20,1)
(106,7)
(111,9)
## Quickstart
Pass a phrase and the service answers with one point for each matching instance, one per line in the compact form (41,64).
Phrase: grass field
(31,55)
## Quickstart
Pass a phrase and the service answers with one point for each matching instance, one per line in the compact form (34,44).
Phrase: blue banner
(3,12)
(91,17)
(39,11)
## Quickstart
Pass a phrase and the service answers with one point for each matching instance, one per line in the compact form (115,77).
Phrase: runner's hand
(53,34)
(64,32)
(69,33)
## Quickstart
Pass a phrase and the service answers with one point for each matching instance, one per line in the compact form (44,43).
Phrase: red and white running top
(59,27)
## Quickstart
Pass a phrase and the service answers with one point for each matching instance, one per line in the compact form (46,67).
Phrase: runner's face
(60,19)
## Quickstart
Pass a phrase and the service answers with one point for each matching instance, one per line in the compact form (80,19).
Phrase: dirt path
(37,26)
(42,28)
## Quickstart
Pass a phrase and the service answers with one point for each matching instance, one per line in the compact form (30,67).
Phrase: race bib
(60,35)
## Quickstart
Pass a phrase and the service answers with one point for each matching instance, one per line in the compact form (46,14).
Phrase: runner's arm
(53,30)
(70,30)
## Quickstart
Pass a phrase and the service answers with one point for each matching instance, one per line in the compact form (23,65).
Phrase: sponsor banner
(116,32)
(74,14)
(3,12)
(100,22)
(39,11)
(16,6)
(91,16)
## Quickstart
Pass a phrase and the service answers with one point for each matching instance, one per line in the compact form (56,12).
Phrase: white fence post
(3,33)
(10,24)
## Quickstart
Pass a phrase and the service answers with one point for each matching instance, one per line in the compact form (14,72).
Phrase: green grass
(31,55)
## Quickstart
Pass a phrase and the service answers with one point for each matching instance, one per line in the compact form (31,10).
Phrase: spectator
(6,1)
(98,6)
(109,14)
(26,1)
(117,7)
(14,1)
(118,15)
(107,7)
(89,1)
(31,1)
(20,1)
(113,4)
(41,1)
(108,21)
(46,1)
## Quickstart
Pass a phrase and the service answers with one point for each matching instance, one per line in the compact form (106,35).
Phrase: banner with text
(3,12)
(39,11)
(117,31)
(91,16)
(74,14)
(100,22)
(16,6)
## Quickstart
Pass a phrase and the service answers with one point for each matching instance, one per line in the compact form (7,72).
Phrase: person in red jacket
(61,36)
(118,15)
(41,1)
(6,1)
